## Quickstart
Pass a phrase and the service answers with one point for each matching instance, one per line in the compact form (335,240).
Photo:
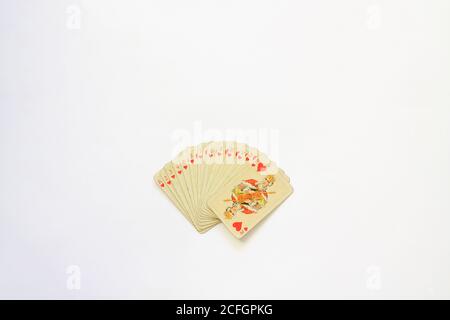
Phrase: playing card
(246,200)
(165,184)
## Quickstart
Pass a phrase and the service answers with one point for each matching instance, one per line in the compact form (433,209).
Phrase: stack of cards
(224,182)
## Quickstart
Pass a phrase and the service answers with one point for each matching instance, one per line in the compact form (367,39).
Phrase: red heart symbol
(179,171)
(173,176)
(246,159)
(237,226)
(245,229)
(162,185)
(192,160)
(169,182)
(261,167)
(185,167)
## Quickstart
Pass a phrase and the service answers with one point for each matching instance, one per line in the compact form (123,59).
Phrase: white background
(359,92)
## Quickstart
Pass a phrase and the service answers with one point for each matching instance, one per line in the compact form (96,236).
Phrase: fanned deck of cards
(226,182)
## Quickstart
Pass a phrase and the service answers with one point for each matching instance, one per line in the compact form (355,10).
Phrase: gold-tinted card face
(244,202)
